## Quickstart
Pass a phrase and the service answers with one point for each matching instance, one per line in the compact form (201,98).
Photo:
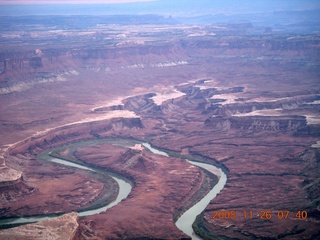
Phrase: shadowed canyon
(242,97)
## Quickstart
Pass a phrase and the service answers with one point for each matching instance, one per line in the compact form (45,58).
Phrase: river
(124,190)
(184,222)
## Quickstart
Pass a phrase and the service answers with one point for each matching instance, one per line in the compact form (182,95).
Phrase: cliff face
(252,101)
(64,227)
(155,55)
(17,192)
(271,47)
(9,177)
(259,123)
(14,192)
(12,186)
(142,104)
(71,133)
(281,44)
(94,58)
(311,184)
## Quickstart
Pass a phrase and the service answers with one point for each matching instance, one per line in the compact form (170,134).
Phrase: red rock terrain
(158,193)
(64,227)
(249,105)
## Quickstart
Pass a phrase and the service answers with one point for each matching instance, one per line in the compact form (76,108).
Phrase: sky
(70,1)
(160,7)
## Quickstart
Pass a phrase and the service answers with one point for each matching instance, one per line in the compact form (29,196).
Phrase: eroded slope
(250,105)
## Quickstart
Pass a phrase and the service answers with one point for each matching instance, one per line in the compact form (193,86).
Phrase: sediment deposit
(249,105)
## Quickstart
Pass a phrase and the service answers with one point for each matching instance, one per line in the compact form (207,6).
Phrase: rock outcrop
(142,104)
(98,59)
(247,103)
(259,123)
(9,176)
(64,227)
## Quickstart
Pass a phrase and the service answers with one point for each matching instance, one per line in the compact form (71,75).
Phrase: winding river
(124,190)
(184,223)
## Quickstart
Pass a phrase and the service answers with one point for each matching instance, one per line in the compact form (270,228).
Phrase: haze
(160,119)
(161,7)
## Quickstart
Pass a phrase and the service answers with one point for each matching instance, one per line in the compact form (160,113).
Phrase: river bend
(184,222)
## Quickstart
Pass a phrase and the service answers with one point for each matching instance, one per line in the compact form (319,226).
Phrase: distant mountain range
(301,16)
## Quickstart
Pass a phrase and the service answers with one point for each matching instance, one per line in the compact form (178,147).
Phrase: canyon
(225,95)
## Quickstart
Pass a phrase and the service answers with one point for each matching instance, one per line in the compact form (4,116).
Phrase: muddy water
(124,190)
(124,187)
(184,223)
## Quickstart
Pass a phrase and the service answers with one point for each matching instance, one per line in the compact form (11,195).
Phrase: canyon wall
(260,123)
(156,55)
(92,59)
(71,133)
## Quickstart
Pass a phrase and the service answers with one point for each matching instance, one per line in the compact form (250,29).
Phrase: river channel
(184,222)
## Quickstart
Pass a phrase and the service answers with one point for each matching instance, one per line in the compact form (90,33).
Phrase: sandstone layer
(245,103)
(62,228)
(157,195)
